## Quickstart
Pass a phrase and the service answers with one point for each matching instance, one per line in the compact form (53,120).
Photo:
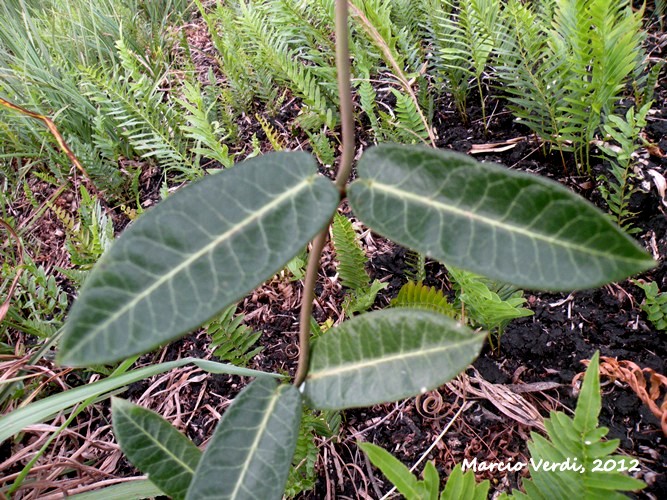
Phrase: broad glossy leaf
(196,253)
(387,355)
(251,450)
(41,410)
(155,447)
(510,226)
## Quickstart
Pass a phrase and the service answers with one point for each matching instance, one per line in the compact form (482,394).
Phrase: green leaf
(399,475)
(155,447)
(387,355)
(251,450)
(510,226)
(574,447)
(196,253)
(464,485)
(590,401)
(43,409)
(431,481)
(130,490)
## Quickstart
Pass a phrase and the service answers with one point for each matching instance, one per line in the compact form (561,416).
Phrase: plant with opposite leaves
(207,245)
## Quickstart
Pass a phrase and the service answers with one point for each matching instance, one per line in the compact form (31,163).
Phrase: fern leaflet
(231,340)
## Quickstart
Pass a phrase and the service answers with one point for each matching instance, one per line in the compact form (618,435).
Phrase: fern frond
(577,442)
(303,475)
(322,148)
(289,65)
(271,133)
(409,122)
(207,133)
(654,305)
(567,71)
(39,305)
(66,219)
(89,234)
(447,43)
(415,266)
(530,70)
(351,258)
(361,300)
(420,296)
(232,56)
(618,189)
(368,100)
(30,196)
(484,305)
(231,340)
(136,107)
(46,177)
(103,171)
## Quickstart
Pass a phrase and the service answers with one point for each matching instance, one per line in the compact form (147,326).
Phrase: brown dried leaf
(635,377)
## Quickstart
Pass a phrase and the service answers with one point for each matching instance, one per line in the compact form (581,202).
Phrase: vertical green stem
(344,170)
(481,100)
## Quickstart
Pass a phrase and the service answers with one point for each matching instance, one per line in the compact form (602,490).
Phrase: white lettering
(467,464)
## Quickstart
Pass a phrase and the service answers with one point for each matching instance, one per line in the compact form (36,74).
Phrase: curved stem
(344,171)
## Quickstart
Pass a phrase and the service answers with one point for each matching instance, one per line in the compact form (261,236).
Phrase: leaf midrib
(356,366)
(157,443)
(194,256)
(255,444)
(423,200)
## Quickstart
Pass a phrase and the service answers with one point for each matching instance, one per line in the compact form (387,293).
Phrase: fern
(134,103)
(104,172)
(483,304)
(39,304)
(368,102)
(231,340)
(565,69)
(238,65)
(465,37)
(601,59)
(618,190)
(459,485)
(351,267)
(322,148)
(89,234)
(411,127)
(420,296)
(271,133)
(303,475)
(29,195)
(530,71)
(416,266)
(351,258)
(48,178)
(654,305)
(407,19)
(208,134)
(578,441)
(273,46)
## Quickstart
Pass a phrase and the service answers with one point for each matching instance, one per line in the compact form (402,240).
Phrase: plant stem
(344,170)
(344,94)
